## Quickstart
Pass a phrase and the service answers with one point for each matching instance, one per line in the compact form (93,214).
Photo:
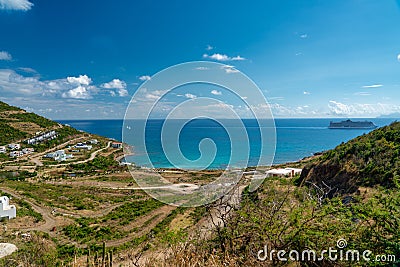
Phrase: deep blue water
(296,139)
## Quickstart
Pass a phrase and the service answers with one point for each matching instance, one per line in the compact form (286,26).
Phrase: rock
(7,249)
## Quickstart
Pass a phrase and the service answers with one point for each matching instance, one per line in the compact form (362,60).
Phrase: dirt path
(49,221)
(35,157)
(183,188)
(162,213)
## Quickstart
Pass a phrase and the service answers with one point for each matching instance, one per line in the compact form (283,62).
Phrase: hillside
(318,214)
(368,160)
(16,125)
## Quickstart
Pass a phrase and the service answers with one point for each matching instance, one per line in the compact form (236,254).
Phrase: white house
(94,141)
(7,210)
(295,171)
(14,154)
(28,150)
(116,145)
(59,155)
(287,172)
(3,149)
(14,146)
(83,146)
(42,137)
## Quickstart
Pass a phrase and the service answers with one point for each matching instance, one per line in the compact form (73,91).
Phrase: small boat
(349,124)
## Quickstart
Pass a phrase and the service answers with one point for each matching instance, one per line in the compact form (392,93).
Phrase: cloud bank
(21,5)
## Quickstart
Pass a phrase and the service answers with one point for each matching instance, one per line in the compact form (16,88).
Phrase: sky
(86,59)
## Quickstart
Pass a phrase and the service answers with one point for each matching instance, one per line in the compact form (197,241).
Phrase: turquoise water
(296,139)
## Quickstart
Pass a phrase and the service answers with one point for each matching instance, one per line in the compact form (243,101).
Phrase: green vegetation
(24,209)
(63,134)
(66,196)
(287,217)
(104,228)
(99,163)
(38,251)
(32,117)
(9,134)
(6,107)
(17,175)
(368,160)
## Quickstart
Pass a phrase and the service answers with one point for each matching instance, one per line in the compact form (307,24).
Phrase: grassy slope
(368,160)
(11,117)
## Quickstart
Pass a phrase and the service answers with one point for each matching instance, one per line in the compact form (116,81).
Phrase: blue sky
(85,59)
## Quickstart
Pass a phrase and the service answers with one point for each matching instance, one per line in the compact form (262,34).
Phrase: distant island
(349,124)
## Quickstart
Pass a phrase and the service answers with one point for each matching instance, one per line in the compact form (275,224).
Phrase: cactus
(103,258)
(88,258)
(96,259)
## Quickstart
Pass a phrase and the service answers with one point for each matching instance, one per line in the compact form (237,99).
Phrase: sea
(295,139)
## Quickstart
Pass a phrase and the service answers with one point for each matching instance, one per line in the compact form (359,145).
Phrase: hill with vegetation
(16,125)
(89,211)
(349,193)
(368,160)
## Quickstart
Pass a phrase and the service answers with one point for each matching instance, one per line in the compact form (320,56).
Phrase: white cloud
(79,92)
(303,36)
(144,78)
(190,96)
(209,47)
(362,110)
(229,69)
(114,84)
(4,55)
(14,83)
(306,93)
(28,70)
(215,92)
(238,58)
(372,86)
(154,95)
(82,80)
(202,68)
(277,98)
(398,57)
(223,57)
(23,5)
(123,92)
(362,93)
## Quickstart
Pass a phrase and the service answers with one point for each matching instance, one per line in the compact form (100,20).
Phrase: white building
(42,137)
(28,150)
(7,210)
(83,146)
(14,146)
(3,149)
(59,155)
(295,171)
(116,145)
(287,172)
(15,154)
(94,141)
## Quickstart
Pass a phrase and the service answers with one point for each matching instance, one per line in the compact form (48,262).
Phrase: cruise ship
(349,124)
